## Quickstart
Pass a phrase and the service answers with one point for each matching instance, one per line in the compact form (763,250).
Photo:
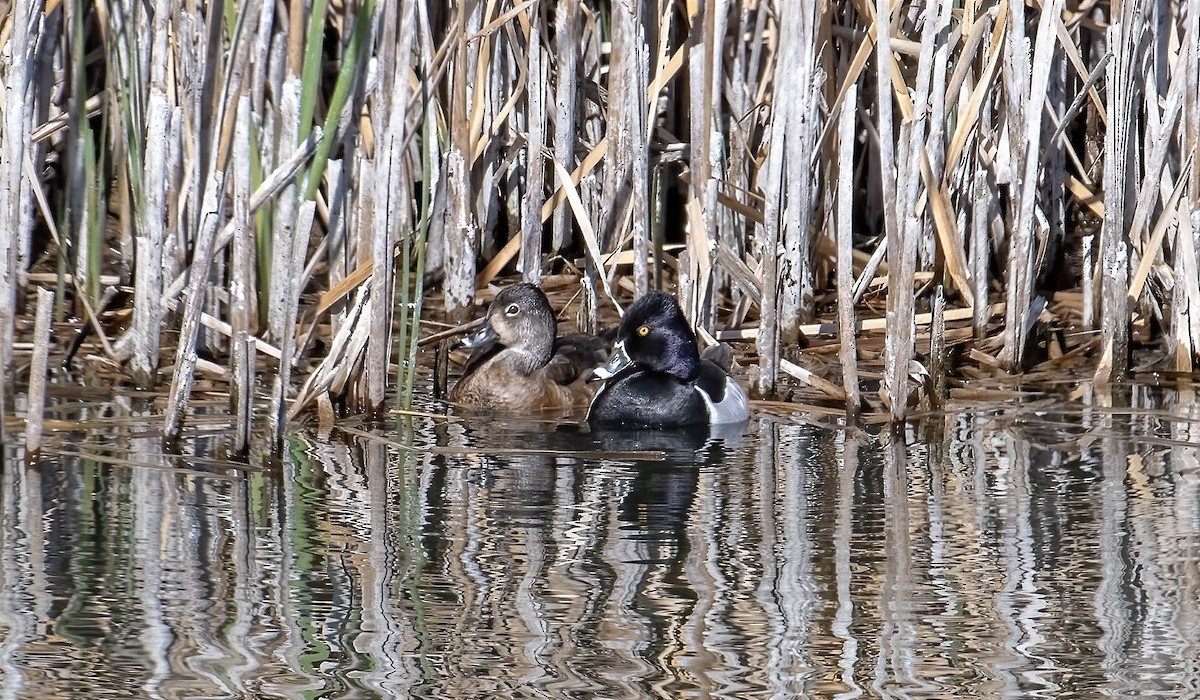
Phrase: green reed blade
(341,94)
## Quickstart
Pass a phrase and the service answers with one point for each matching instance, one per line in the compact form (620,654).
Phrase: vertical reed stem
(1118,179)
(1021,273)
(36,400)
(185,355)
(566,39)
(848,351)
(17,67)
(1186,303)
(287,341)
(151,229)
(937,349)
(241,287)
(461,228)
(535,163)
(981,215)
(798,98)
(389,196)
(626,166)
(898,339)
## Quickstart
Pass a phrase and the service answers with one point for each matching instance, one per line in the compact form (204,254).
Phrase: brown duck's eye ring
(643,331)
(512,310)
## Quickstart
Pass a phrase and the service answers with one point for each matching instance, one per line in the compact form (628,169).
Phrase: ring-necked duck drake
(519,364)
(656,377)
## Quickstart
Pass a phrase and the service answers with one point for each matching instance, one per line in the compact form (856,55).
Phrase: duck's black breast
(641,398)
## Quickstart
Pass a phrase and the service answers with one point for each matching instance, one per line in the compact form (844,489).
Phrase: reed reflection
(998,556)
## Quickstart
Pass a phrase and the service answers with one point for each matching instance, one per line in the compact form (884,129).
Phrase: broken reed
(275,182)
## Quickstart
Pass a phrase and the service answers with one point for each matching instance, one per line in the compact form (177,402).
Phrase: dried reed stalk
(626,168)
(241,286)
(799,110)
(1119,189)
(144,336)
(18,67)
(461,230)
(567,35)
(896,350)
(1029,98)
(385,193)
(36,401)
(535,163)
(848,350)
(185,357)
(1184,345)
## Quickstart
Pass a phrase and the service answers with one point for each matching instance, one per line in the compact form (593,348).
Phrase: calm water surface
(999,554)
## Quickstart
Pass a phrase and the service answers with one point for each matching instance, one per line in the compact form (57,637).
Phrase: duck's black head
(656,336)
(519,318)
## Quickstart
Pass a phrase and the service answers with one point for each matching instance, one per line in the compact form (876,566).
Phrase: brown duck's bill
(483,336)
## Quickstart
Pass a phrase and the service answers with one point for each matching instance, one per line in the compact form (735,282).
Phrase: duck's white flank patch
(734,406)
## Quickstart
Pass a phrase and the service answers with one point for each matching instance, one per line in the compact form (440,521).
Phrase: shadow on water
(999,555)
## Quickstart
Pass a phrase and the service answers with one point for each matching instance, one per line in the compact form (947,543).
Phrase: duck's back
(575,355)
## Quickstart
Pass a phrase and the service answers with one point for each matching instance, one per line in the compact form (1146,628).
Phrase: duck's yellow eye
(512,310)
(643,331)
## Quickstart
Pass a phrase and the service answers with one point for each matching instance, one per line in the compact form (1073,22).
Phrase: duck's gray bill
(483,336)
(617,362)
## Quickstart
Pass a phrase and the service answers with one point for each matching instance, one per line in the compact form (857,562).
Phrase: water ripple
(988,555)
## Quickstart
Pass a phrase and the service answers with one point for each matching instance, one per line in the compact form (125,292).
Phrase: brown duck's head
(519,319)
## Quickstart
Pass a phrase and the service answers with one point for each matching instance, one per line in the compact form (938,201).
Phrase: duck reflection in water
(659,501)
(524,463)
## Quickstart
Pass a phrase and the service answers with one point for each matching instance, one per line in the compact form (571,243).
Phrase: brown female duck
(519,364)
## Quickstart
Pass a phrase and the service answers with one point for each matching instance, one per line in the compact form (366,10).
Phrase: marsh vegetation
(278,201)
